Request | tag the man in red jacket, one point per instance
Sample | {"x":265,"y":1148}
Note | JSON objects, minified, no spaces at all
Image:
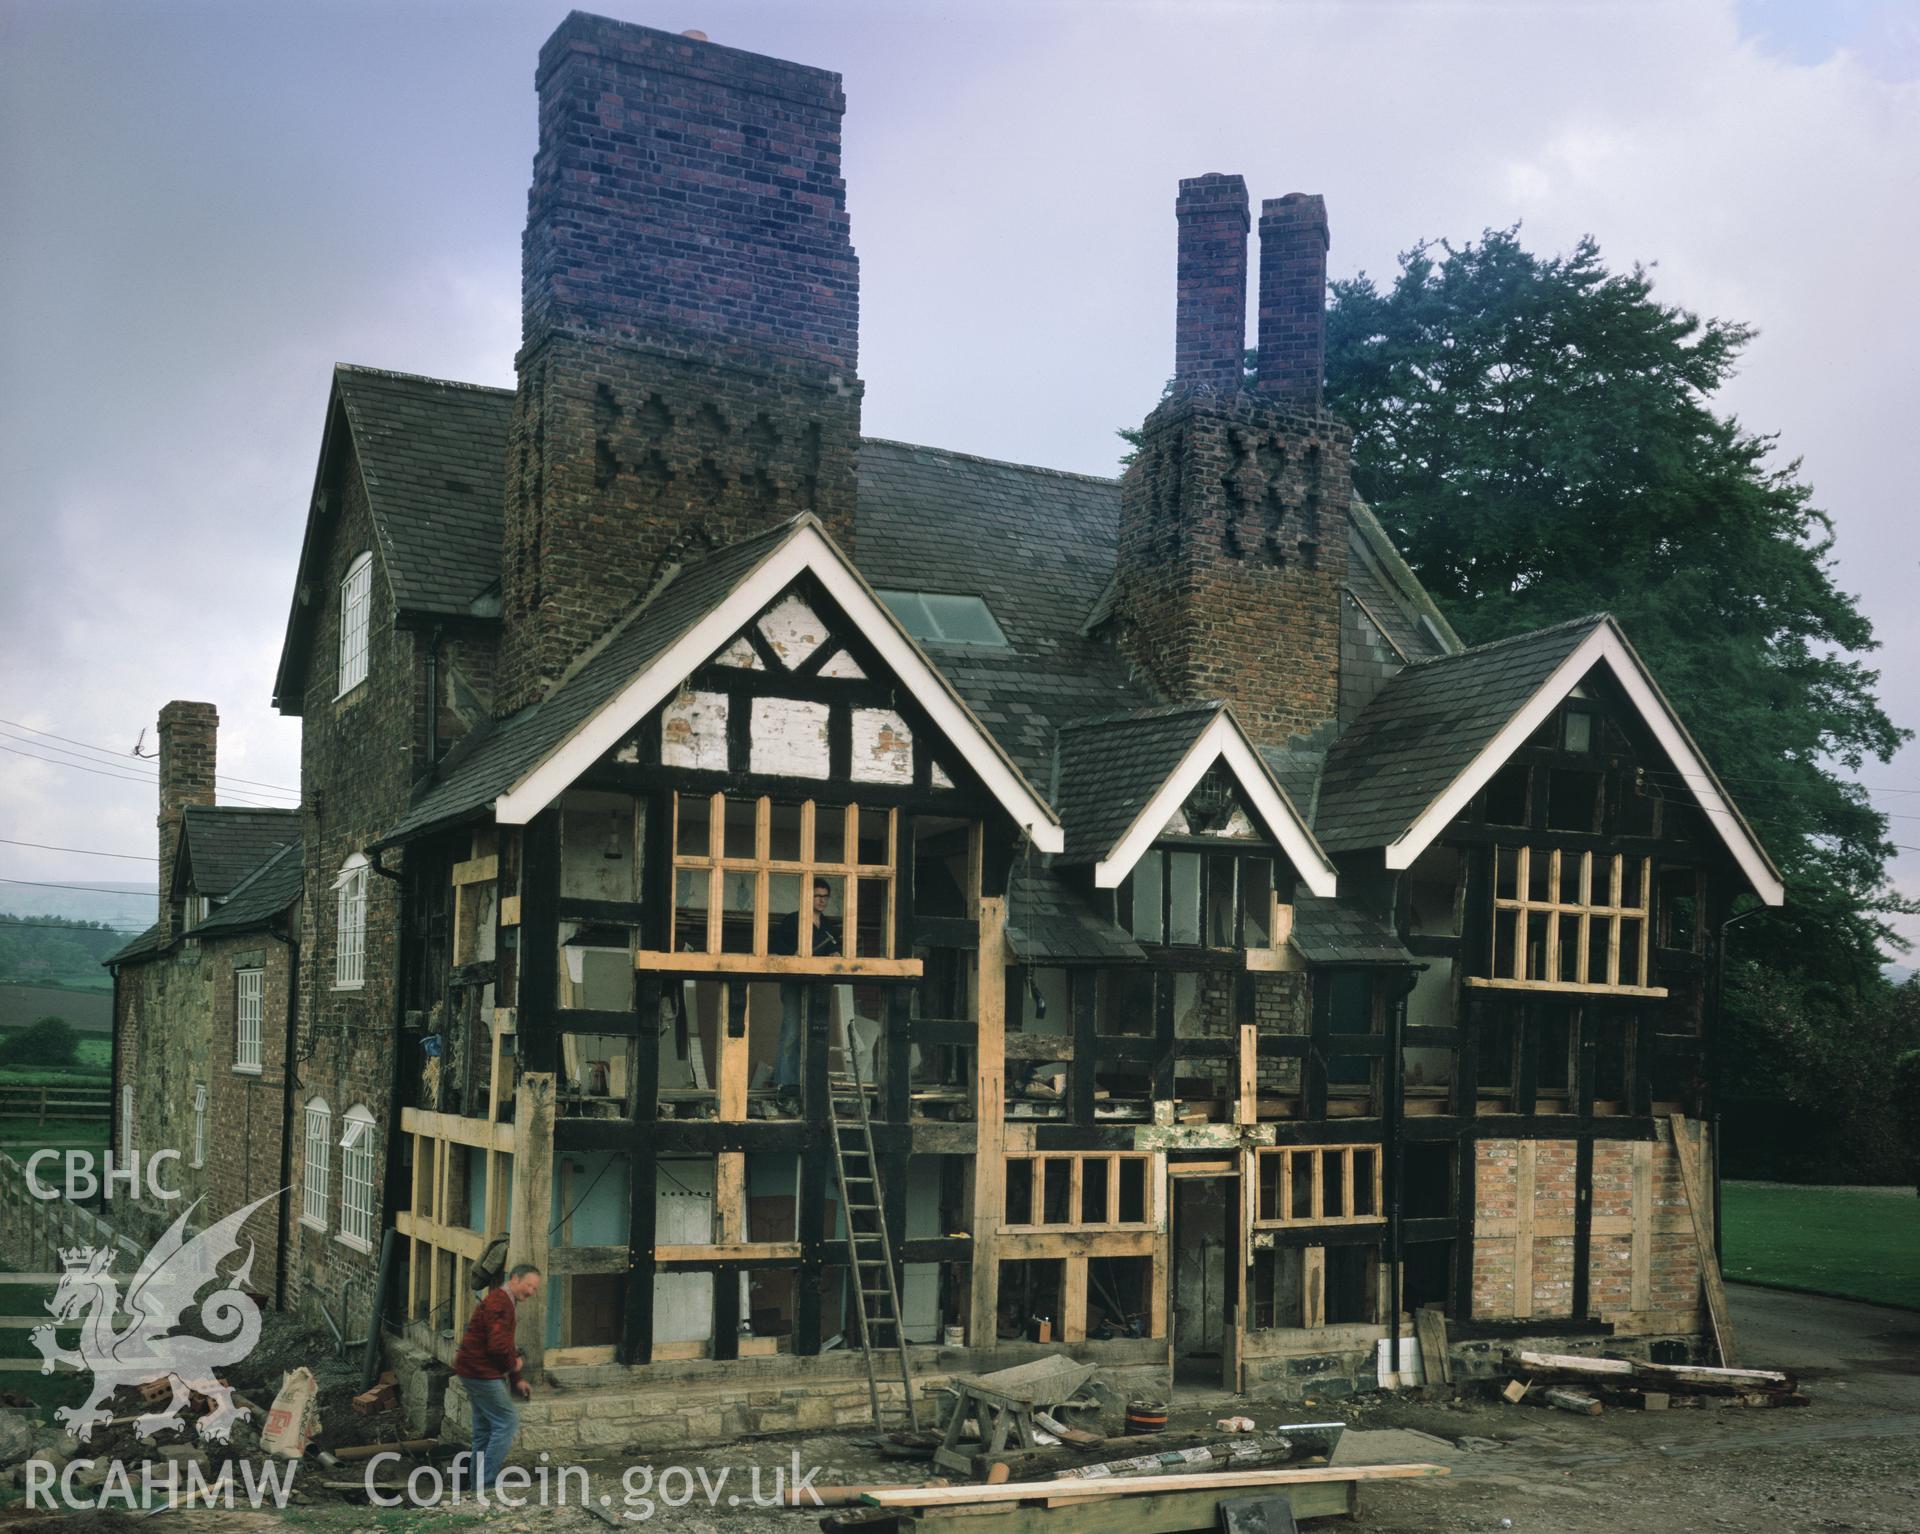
{"x":488,"y":1363}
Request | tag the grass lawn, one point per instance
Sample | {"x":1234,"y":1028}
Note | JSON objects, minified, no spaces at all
{"x":1857,"y":1243}
{"x":64,"y":1387}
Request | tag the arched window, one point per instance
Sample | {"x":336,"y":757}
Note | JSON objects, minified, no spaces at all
{"x":356,"y":607}
{"x":314,"y":1184}
{"x":356,"y":1179}
{"x":350,"y":925}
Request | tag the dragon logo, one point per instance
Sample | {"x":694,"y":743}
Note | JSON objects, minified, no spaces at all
{"x":151,"y":1346}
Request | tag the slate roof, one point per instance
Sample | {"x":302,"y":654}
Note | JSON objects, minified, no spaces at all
{"x":226,"y":842}
{"x":147,"y":943}
{"x":260,"y":897}
{"x":1110,"y":767}
{"x":1330,"y":931}
{"x":1049,"y":923}
{"x":433,"y":455}
{"x":1424,"y":727}
{"x":259,"y":893}
{"x":496,"y":756}
{"x":1038,"y":545}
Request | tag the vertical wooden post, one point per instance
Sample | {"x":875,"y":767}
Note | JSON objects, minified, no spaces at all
{"x":990,"y":1119}
{"x":532,"y":1201}
{"x":1523,"y":1232}
{"x":1641,"y":1252}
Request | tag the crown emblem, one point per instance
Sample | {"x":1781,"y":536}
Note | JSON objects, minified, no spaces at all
{"x":77,"y":1259}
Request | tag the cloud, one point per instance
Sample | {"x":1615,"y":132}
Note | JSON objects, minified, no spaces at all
{"x":210,"y":205}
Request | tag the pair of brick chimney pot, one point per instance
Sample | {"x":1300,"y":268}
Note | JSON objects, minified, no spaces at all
{"x":1210,"y":321}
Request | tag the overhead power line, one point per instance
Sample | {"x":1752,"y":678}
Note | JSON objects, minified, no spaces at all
{"x":85,"y":889}
{"x":103,"y":772}
{"x":137,"y":857}
{"x":278,"y":788}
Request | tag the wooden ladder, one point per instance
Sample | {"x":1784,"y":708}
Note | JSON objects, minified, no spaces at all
{"x":876,"y":1290}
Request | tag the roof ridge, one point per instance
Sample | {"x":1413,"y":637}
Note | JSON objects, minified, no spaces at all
{"x":243,"y":809}
{"x":363,"y":370}
{"x":1155,"y":711}
{"x":1112,"y":480}
{"x":1589,"y":620}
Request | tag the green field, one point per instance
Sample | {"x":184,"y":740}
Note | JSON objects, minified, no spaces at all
{"x":65,"y":1387}
{"x":1857,"y":1243}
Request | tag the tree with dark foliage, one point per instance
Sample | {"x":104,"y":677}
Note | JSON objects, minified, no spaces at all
{"x":1538,"y":435}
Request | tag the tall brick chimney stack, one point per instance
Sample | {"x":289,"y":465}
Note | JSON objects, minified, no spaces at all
{"x":1293,"y":297}
{"x":690,"y":302}
{"x":1210,"y":314}
{"x":1232,"y":558}
{"x":189,"y":733}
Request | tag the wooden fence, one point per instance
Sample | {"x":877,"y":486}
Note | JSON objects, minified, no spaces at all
{"x":40,"y":1102}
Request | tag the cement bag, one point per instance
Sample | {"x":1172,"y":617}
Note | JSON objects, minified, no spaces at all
{"x":294,"y":1417}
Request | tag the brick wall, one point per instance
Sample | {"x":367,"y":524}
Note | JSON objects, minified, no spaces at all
{"x":1233,"y":557}
{"x":623,"y":459}
{"x":690,"y":310}
{"x":1553,"y":1203}
{"x":1210,"y":311}
{"x":1673,"y":1297}
{"x":1293,"y":297}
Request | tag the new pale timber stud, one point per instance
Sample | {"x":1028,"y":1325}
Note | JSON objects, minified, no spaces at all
{"x":530,"y":1228}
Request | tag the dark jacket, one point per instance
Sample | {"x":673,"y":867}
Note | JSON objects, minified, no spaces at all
{"x":785,"y":937}
{"x":487,"y":1350}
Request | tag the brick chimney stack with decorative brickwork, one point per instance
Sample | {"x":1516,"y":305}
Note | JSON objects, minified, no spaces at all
{"x":690,"y":303}
{"x":1293,"y":298}
{"x":189,"y":734}
{"x":1210,"y":323}
{"x":1232,"y":558}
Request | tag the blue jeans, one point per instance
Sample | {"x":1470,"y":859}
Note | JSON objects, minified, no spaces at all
{"x":495,"y":1420}
{"x":793,"y":1033}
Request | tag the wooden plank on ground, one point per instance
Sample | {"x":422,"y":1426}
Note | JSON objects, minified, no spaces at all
{"x":1695,"y":1180}
{"x":1430,"y":1326}
{"x":1141,"y":1486}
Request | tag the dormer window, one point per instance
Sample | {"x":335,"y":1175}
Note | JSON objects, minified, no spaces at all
{"x":356,"y":607}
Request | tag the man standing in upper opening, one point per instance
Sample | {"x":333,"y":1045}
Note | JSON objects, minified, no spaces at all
{"x":793,"y":993}
{"x":488,"y":1364}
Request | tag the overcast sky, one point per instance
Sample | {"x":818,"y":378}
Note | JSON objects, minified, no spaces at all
{"x":207,"y":205}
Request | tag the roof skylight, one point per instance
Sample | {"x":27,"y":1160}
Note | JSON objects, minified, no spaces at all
{"x":939,"y":617}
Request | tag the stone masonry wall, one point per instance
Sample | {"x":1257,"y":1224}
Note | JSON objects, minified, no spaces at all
{"x":358,"y":756}
{"x":176,"y":1032}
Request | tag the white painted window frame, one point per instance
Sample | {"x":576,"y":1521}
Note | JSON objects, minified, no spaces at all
{"x":350,"y":925}
{"x":356,"y":615}
{"x":356,"y":1179}
{"x":316,"y":1174}
{"x":249,"y":995}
